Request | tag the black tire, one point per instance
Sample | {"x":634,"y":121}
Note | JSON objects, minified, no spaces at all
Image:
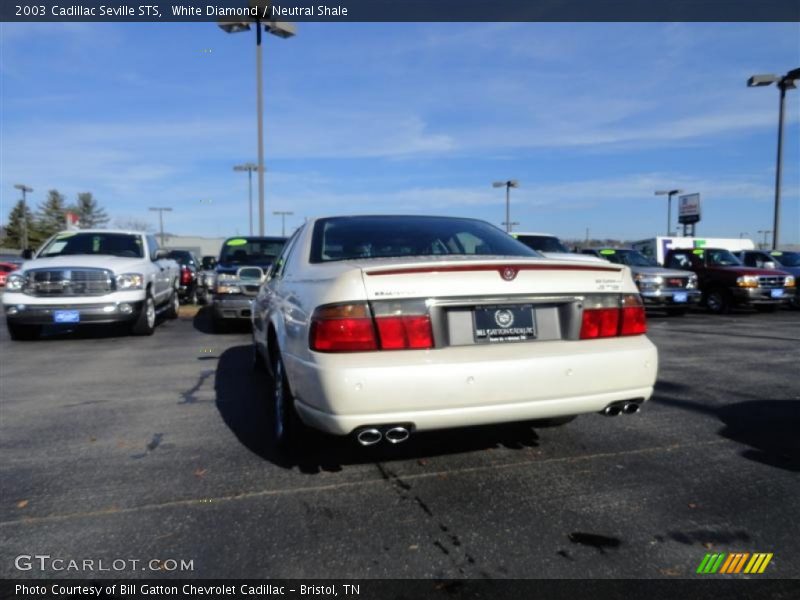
{"x":145,"y":323}
{"x":794,"y":302}
{"x":718,"y":301}
{"x":554,"y":422}
{"x":286,"y":427}
{"x":173,"y":306}
{"x":766,"y":308}
{"x":677,"y":312}
{"x":20,"y":333}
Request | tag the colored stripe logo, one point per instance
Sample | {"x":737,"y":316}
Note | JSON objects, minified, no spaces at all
{"x":735,"y":562}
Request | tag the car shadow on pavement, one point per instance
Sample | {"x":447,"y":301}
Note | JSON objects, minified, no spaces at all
{"x":769,"y":427}
{"x":242,"y":398}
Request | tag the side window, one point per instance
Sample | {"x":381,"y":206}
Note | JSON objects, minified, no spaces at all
{"x":750,"y":259}
{"x":280,"y":262}
{"x":152,"y":246}
{"x":679,"y":261}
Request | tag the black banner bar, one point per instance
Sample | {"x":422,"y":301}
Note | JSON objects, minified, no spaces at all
{"x":404,"y":10}
{"x":712,"y":587}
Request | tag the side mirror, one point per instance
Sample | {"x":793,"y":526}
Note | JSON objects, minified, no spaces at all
{"x":160,"y":253}
{"x":27,"y":254}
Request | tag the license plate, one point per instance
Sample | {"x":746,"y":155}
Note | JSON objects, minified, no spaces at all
{"x":66,"y":316}
{"x":680,"y":297}
{"x":776,"y":293}
{"x":504,"y":323}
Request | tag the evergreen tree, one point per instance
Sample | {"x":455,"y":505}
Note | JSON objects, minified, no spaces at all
{"x":16,"y":228}
{"x":89,"y":212}
{"x":51,"y":217}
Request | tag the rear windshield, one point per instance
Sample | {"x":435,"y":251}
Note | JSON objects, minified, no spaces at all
{"x":542,"y":243}
{"x":632,"y":258}
{"x":181,"y":256}
{"x":345,"y":238}
{"x":250,"y":251}
{"x":110,"y":244}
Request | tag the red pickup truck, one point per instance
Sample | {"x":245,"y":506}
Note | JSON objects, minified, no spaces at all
{"x":725,"y":282}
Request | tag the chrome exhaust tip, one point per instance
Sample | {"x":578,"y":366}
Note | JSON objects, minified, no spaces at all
{"x":612,"y":410}
{"x":630,"y":408}
{"x":396,"y":435}
{"x":369,"y":437}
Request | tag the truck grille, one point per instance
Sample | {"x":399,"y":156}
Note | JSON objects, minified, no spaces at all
{"x":675,"y":282}
{"x":771,"y":281}
{"x":69,"y":282}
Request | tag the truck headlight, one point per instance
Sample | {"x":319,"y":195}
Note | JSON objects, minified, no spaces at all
{"x":130,"y":281}
{"x":790,"y":281}
{"x":15,"y":282}
{"x":643,"y":280}
{"x":747,"y":281}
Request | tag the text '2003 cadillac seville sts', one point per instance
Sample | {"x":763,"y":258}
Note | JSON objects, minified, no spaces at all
{"x":385,"y":325}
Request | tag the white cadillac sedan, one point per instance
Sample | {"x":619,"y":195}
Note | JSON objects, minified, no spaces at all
{"x":381,"y":326}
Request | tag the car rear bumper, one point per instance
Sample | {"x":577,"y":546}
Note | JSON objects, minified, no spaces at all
{"x":761,"y":295}
{"x":106,"y":312}
{"x":667,"y":297}
{"x":234,"y":306}
{"x":457,"y":387}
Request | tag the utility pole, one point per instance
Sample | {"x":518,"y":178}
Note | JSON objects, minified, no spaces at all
{"x":161,"y":210}
{"x":249,"y":167}
{"x":24,"y":189}
{"x":283,"y":214}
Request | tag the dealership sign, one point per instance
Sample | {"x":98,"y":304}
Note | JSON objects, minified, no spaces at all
{"x":689,"y":208}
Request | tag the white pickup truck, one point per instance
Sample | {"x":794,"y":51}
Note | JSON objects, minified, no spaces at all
{"x":92,"y":276}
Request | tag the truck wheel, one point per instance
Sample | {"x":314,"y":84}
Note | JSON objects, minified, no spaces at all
{"x":23,"y":332}
{"x":145,"y":323}
{"x":174,"y":306}
{"x":718,"y":302}
{"x":286,"y":427}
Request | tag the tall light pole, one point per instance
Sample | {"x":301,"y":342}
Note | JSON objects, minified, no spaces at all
{"x":283,"y":214}
{"x":765,"y":233}
{"x":281,"y":29}
{"x":508,"y":185}
{"x":785,"y":82}
{"x":669,"y":194}
{"x":161,"y":211}
{"x":25,"y":190}
{"x":249,"y":167}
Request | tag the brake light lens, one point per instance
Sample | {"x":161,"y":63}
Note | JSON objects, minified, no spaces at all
{"x":352,"y":328}
{"x":405,"y":332}
{"x":186,"y":275}
{"x":603,"y":321}
{"x":343,"y":328}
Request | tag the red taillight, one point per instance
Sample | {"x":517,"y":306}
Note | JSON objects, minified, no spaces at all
{"x":351,"y":328}
{"x":405,"y":332}
{"x":629,"y":319}
{"x":599,"y":323}
{"x":186,"y":276}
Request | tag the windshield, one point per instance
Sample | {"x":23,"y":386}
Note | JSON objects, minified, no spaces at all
{"x":344,"y":238}
{"x":542,"y":243}
{"x":787,"y":259}
{"x":721,"y":258}
{"x":251,"y":251}
{"x":112,"y":244}
{"x":632,"y":258}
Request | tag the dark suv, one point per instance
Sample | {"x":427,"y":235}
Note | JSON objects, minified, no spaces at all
{"x":726,"y":282}
{"x":240,"y":270}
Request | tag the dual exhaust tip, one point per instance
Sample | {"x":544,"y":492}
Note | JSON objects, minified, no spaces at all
{"x":627,"y":407}
{"x":394,"y":434}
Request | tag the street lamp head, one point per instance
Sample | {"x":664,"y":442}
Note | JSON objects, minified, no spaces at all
{"x":668,"y":192}
{"x":762,"y":80}
{"x":23,"y":188}
{"x":510,"y":183}
{"x":233,"y":26}
{"x":513,"y":183}
{"x":283,"y":29}
{"x":253,"y":167}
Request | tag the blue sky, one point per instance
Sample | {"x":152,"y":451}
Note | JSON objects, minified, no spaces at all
{"x":406,"y":118}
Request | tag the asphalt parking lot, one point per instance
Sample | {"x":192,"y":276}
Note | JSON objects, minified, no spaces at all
{"x":154,"y":448}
